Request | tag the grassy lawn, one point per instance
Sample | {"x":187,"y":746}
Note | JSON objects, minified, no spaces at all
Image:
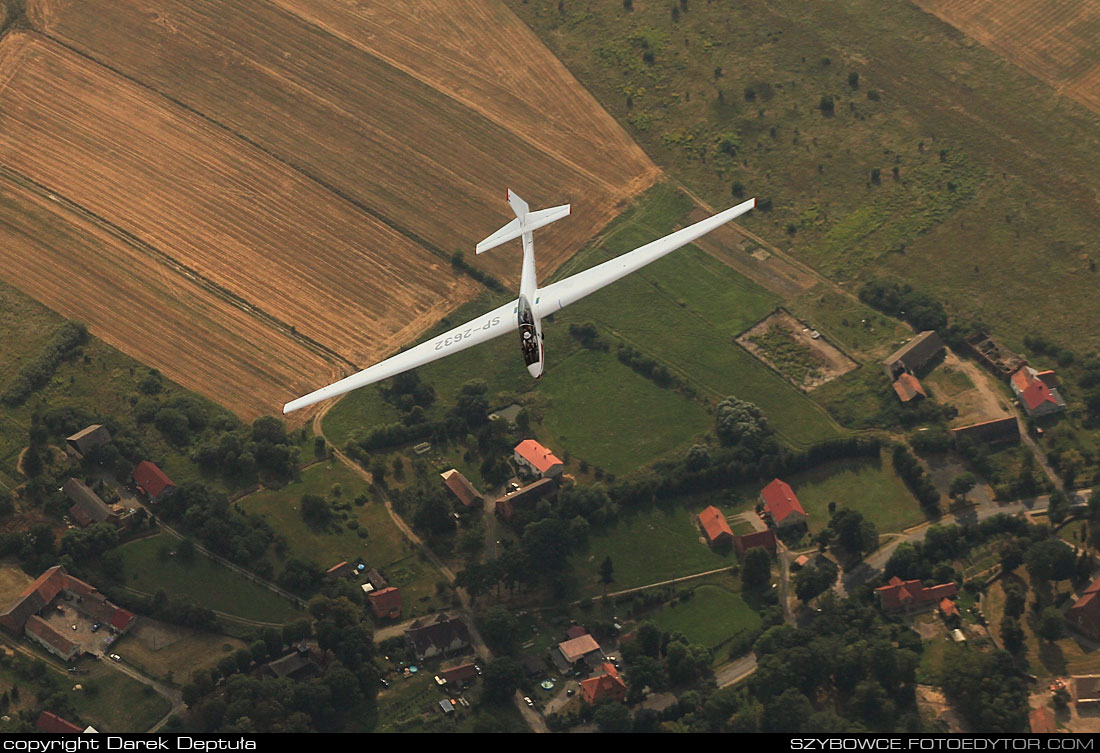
{"x":879,"y":137}
{"x":171,"y":652}
{"x":713,"y":615}
{"x":1073,"y":532}
{"x":947,"y":383}
{"x":203,"y":582}
{"x":841,"y":318}
{"x":385,"y":547}
{"x":606,"y":413}
{"x":114,"y":702}
{"x":866,"y":486}
{"x":646,"y":547}
{"x":1064,"y":656}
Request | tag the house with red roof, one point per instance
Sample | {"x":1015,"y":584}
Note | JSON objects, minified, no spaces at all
{"x":911,"y":595}
{"x":908,"y":388}
{"x":747,"y":541}
{"x":715,"y":527}
{"x":537,"y":459}
{"x":1084,"y":615}
{"x":463,"y":490}
{"x":151,"y":481}
{"x":575,"y":631}
{"x":1037,"y":396}
{"x":782,"y":505}
{"x":386,"y":603}
{"x":608,"y":684}
{"x":459,"y":676}
{"x":52,"y":724}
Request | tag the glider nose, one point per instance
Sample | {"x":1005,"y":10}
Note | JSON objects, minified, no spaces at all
{"x":535,"y":369}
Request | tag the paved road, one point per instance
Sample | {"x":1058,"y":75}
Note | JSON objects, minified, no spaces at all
{"x":735,"y":671}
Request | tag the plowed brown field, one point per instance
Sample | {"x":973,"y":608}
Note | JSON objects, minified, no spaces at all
{"x":422,"y":112}
{"x":1057,"y":41}
{"x":252,"y":196}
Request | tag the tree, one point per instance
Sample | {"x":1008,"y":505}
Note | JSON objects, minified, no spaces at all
{"x":1012,"y":555}
{"x":1051,"y":624}
{"x":613,"y":717}
{"x":500,"y":628}
{"x":1050,"y":559}
{"x":813,"y":580}
{"x":962,"y":485}
{"x":648,"y":636}
{"x":606,"y":570}
{"x":853,"y":80}
{"x":1058,"y":508}
{"x":826,"y":105}
{"x":756,"y":570}
{"x":32,"y":462}
{"x":502,"y":677}
{"x":315,"y":510}
{"x":856,"y":534}
{"x":740,"y":422}
{"x":1015,"y":599}
{"x":1012,"y":635}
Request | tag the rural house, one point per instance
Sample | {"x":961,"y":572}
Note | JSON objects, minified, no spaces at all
{"x":538,"y":460}
{"x":88,"y":508}
{"x":340,"y":570}
{"x":463,"y":490}
{"x":715,"y":527}
{"x":53,"y":724}
{"x":747,"y":541}
{"x":910,"y":595}
{"x":438,"y":636}
{"x":1084,"y":615}
{"x":607,"y":684}
{"x":782,"y":505}
{"x":916,"y":353}
{"x":385,"y":603}
{"x":1037,"y":396}
{"x":459,"y":676}
{"x":78,"y":445}
{"x":151,"y":481}
{"x":582,"y":648}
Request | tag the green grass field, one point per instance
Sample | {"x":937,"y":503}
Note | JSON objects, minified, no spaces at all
{"x":729,"y":96}
{"x":384,"y":548}
{"x":114,"y":702}
{"x":842,"y":320}
{"x":646,"y":547}
{"x":713,"y":615}
{"x":866,"y":486}
{"x":625,"y":416}
{"x":203,"y":582}
{"x":946,"y":383}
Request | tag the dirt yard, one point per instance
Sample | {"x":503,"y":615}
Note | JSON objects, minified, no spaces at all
{"x":13,"y":582}
{"x":815,"y":358}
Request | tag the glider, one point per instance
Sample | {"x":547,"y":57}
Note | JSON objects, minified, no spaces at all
{"x":526,"y":312}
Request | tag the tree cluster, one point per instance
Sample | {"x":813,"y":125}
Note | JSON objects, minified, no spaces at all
{"x":244,"y":453}
{"x":912,"y":473}
{"x":38,"y":371}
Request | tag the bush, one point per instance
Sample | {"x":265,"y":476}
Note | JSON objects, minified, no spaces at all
{"x":40,"y":370}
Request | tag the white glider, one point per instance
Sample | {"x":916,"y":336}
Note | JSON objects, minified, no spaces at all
{"x":526,"y":312}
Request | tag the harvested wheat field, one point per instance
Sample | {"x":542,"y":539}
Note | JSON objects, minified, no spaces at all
{"x":420,"y":113}
{"x":1057,"y":41}
{"x":157,"y":315}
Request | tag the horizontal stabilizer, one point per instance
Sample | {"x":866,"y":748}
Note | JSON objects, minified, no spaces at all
{"x":526,"y":224}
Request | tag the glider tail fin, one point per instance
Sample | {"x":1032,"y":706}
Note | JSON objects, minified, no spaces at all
{"x":525,"y":222}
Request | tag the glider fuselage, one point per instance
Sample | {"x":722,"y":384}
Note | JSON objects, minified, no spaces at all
{"x":530,"y":325}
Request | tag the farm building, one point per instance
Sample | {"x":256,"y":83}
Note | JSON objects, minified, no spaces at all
{"x":582,"y":648}
{"x":1084,"y":615}
{"x":151,"y":481}
{"x":300,"y":666}
{"x":910,"y":595}
{"x":386,"y":603}
{"x":463,"y":490}
{"x":52,"y":724}
{"x":715,"y":527}
{"x":990,"y":432}
{"x":747,"y":541}
{"x":340,"y":570}
{"x":538,"y":460}
{"x":908,"y":388}
{"x":25,"y":615}
{"x":1037,"y":396}
{"x":459,"y":676}
{"x":607,"y":684}
{"x":781,"y":504}
{"x":910,"y":357}
{"x":88,"y":508}
{"x":375,"y":579}
{"x":1086,"y":688}
{"x":79,"y":444}
{"x":996,"y":357}
{"x":438,"y":636}
{"x":524,"y":498}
